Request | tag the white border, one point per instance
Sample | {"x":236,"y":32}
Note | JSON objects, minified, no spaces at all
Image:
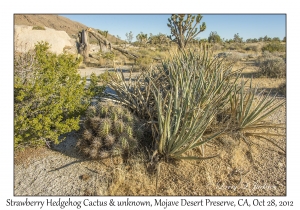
{"x":154,"y":6}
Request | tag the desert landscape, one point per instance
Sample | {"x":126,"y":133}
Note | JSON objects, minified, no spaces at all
{"x":219,"y":131}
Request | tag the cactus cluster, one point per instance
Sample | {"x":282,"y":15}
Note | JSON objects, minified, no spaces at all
{"x":109,"y":130}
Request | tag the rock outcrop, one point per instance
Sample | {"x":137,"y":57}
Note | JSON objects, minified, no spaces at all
{"x":26,"y":38}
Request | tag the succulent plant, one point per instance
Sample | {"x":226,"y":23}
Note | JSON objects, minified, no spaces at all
{"x":104,"y":127}
{"x":119,"y":126}
{"x":91,"y":111}
{"x":95,"y":121}
{"x":87,"y":134}
{"x":109,"y":130}
{"x":109,"y":140}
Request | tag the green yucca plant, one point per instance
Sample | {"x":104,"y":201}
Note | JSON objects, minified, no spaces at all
{"x":189,"y":84}
{"x":183,"y":99}
{"x":180,"y":127}
{"x":248,"y":114}
{"x":197,"y":88}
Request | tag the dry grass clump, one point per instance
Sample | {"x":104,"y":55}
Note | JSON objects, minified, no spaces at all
{"x":109,"y":130}
{"x":235,"y":57}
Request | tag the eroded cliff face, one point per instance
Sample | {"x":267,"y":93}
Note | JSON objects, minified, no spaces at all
{"x":26,"y":38}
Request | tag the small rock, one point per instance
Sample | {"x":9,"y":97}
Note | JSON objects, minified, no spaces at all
{"x":84,"y":177}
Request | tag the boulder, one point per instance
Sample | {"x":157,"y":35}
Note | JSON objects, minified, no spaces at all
{"x":26,"y":38}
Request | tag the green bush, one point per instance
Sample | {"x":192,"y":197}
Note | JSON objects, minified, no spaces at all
{"x":95,"y":88}
{"x":49,"y":96}
{"x":274,"y":47}
{"x":106,"y":77}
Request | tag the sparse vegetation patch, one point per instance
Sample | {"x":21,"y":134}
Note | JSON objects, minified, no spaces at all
{"x":38,"y":28}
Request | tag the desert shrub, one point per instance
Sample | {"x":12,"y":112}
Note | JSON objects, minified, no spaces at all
{"x":235,"y":46}
{"x":247,"y":48}
{"x":106,"y":77}
{"x":38,"y":28}
{"x":109,"y":130}
{"x":271,"y":65}
{"x":49,"y":96}
{"x":184,"y":94}
{"x":216,"y":47}
{"x":106,"y":59}
{"x":163,"y":48}
{"x":274,"y":47}
{"x":234,"y":57}
{"x":254,"y":48}
{"x":95,"y":88}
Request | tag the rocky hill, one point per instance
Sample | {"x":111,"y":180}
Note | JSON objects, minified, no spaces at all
{"x":51,"y":21}
{"x":26,"y":38}
{"x":56,"y":22}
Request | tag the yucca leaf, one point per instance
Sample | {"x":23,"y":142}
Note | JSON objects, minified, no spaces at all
{"x":269,"y":140}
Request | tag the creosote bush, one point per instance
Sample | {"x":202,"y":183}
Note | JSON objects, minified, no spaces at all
{"x":109,"y":130}
{"x":49,"y":96}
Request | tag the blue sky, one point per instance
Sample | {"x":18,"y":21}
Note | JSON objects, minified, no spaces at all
{"x":247,"y":25}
